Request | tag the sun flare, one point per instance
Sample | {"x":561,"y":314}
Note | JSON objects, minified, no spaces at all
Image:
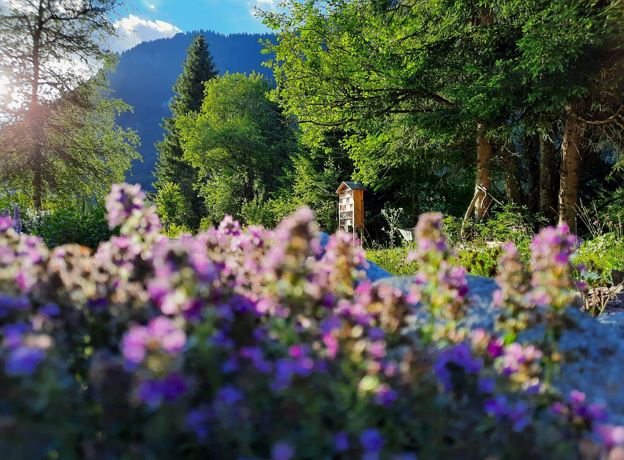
{"x":4,"y":85}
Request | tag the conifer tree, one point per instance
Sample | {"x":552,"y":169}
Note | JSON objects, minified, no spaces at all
{"x":189,"y":94}
{"x":51,"y":53}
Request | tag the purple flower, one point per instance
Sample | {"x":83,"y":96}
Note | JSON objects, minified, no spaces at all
{"x":611,"y":435}
{"x":487,"y":385}
{"x":371,"y":440}
{"x":495,"y":347}
{"x":576,"y":398}
{"x":8,"y":302}
{"x":497,"y":407}
{"x":461,"y":357}
{"x":154,"y":391}
{"x":133,"y":344}
{"x":256,"y":356}
{"x":341,"y":441}
{"x":17,"y":219}
{"x":229,"y":395}
{"x":282,"y":451}
{"x":519,"y":416}
{"x":160,"y":334}
{"x":23,"y":361}
{"x":197,"y":421}
{"x":14,"y":333}
{"x":122,"y":201}
{"x":578,"y":407}
{"x":5,"y":223}
{"x":385,"y":396}
{"x":558,"y":408}
{"x":50,"y":310}
{"x":501,"y":408}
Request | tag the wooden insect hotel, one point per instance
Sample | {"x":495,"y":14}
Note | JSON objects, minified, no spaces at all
{"x":351,"y":206}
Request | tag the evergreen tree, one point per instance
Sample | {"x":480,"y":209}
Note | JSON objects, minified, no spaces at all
{"x":189,"y":94}
{"x":50,"y":52}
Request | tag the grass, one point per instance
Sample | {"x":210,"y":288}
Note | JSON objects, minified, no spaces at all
{"x":393,"y":260}
{"x":477,"y":260}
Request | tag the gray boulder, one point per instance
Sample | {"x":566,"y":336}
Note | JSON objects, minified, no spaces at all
{"x":594,"y":347}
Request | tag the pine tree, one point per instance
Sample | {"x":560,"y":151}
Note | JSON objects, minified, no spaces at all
{"x":189,"y":94}
{"x":38,"y":41}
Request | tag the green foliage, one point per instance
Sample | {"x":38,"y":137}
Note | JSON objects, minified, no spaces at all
{"x":258,"y":212}
{"x":171,"y":205}
{"x":479,"y":249}
{"x":393,"y":260}
{"x":175,"y":231}
{"x":316,"y":177}
{"x":61,"y":136}
{"x":84,"y":151}
{"x":406,"y":83}
{"x":508,"y":223}
{"x":479,"y":260}
{"x":600,"y":255}
{"x":71,"y":224}
{"x":189,"y":94}
{"x":197,"y":70}
{"x":239,"y":143}
{"x":369,"y":83}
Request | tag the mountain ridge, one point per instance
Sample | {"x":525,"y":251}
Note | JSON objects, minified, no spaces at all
{"x":146,"y":73}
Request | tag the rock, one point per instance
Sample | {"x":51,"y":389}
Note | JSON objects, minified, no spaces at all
{"x":594,"y":347}
{"x":373,"y":272}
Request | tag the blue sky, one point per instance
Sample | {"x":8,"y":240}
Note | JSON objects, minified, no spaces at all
{"x":220,"y":15}
{"x":142,"y":20}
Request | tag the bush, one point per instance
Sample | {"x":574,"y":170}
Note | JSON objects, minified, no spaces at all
{"x":600,"y":256}
{"x":70,"y":224}
{"x":254,"y":344}
{"x":171,"y":206}
{"x":258,"y":212}
{"x":393,"y":260}
{"x":508,"y":223}
{"x":479,"y":260}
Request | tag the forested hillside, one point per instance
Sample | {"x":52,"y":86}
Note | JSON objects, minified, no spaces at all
{"x":159,"y":63}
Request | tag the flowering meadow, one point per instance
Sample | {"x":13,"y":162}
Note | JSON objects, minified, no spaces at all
{"x":256,"y":344}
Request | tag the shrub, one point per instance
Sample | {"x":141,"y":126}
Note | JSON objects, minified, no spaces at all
{"x":171,"y":206}
{"x":509,"y":223}
{"x":70,"y":224}
{"x":601,"y":255}
{"x":479,"y":259}
{"x":255,"y":344}
{"x":393,"y":260}
{"x":258,"y":212}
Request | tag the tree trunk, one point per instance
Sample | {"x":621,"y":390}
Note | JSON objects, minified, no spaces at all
{"x":571,"y":162}
{"x":484,"y":180}
{"x":547,"y":178}
{"x":37,"y":180}
{"x":35,"y":113}
{"x":512,"y":183}
{"x":530,"y":151}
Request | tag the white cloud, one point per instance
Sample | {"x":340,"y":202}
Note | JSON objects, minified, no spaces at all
{"x":133,"y":30}
{"x":262,"y":5}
